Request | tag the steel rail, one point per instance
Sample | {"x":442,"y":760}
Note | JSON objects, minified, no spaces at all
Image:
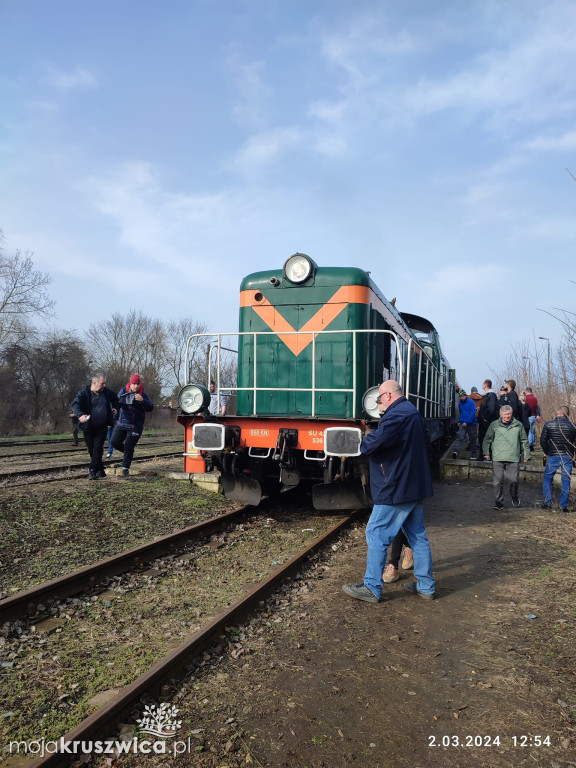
{"x":50,"y":441}
{"x":74,"y":583}
{"x":93,"y":726}
{"x":62,"y":451}
{"x":64,"y":440}
{"x":74,"y":449}
{"x":77,"y":465}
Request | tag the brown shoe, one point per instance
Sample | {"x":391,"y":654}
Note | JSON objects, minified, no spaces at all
{"x":408,"y":559}
{"x":390,"y":574}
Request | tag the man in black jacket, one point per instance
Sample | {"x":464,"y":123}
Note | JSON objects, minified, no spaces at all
{"x":509,"y":397}
{"x":558,"y":441}
{"x":95,"y":406}
{"x":489,"y":411}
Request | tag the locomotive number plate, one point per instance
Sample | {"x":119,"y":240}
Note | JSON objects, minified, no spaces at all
{"x":317,"y":436}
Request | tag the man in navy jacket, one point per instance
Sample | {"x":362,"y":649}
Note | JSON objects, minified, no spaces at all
{"x":399,"y":480}
{"x":95,"y":407}
{"x":134,"y":404}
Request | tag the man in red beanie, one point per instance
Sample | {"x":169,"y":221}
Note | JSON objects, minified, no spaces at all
{"x":134,"y":404}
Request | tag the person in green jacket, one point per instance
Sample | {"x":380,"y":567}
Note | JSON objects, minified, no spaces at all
{"x":507,"y":439}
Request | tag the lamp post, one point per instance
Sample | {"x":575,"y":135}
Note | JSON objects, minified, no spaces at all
{"x":546,"y":339}
{"x":529,"y":369}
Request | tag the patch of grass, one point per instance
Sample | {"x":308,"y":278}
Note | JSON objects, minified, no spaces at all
{"x":107,"y":643}
{"x":51,"y":530}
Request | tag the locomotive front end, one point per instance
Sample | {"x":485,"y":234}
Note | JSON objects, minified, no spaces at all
{"x":311,"y":344}
{"x":301,"y":375}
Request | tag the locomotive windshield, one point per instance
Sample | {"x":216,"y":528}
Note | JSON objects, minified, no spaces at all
{"x":422,"y":329}
{"x":423,"y":337}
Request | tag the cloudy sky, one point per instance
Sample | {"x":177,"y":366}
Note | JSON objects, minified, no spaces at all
{"x":154,"y":153}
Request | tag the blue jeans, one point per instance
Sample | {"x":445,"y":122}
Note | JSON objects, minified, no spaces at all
{"x":553,"y":464}
{"x":531,"y":433}
{"x":383,"y":525}
{"x":470,"y":431}
{"x":109,"y":438}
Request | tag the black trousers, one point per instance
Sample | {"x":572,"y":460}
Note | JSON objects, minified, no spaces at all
{"x":398,"y":542}
{"x":125,"y":440}
{"x":482,"y":429}
{"x":94,"y":438}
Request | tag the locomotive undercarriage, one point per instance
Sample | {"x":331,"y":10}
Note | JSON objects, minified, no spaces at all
{"x":249,"y":472}
{"x":336,"y":482}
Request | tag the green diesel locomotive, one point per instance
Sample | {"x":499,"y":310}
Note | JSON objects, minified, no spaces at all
{"x":313,"y":345}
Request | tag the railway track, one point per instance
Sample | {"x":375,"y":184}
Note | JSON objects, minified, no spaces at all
{"x":64,"y":441}
{"x":26,"y":602}
{"x":73,"y":449}
{"x":48,"y":441}
{"x":38,"y":454}
{"x":101,"y":722}
{"x":79,"y":466}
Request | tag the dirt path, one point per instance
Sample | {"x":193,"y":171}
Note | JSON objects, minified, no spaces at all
{"x":323,"y":680}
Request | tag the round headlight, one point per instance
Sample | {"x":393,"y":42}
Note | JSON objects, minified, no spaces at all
{"x":193,"y":397}
{"x":298,"y":268}
{"x":369,"y":403}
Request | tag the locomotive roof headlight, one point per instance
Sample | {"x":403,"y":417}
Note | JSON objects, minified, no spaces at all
{"x":193,"y":398}
{"x":298,"y":268}
{"x":369,"y":403}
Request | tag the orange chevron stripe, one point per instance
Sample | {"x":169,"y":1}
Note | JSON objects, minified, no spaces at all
{"x":346,"y":294}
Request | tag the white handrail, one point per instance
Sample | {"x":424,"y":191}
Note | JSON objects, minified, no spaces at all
{"x":403,"y":362}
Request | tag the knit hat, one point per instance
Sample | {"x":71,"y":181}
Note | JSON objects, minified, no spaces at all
{"x":134,"y":379}
{"x":462,"y":393}
{"x":474,"y":389}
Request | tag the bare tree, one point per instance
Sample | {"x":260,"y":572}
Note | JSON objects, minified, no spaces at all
{"x":39,"y":378}
{"x":178,"y":333}
{"x":135,"y":342}
{"x":553,"y":378}
{"x":23,"y":295}
{"x":565,"y":359}
{"x":129,"y":343}
{"x":562,"y":366}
